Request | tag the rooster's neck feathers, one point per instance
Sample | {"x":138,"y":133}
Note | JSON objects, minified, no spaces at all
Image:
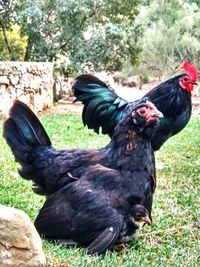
{"x":178,"y":98}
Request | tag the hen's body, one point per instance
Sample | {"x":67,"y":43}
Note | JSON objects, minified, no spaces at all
{"x":95,"y":211}
{"x":94,"y":196}
{"x":103,"y":108}
{"x":51,"y":169}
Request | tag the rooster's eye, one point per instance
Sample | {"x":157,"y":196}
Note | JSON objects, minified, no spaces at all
{"x":185,"y":79}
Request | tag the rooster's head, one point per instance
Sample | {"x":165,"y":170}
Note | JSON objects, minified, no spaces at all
{"x":188,"y":79}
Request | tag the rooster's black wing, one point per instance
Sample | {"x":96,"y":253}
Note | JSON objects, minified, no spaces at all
{"x":102,"y":107}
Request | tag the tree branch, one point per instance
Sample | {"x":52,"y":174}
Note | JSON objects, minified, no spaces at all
{"x":28,"y":50}
{"x":6,"y":41}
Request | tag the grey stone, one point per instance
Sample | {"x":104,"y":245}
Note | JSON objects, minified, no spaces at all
{"x":14,"y":80}
{"x":20,"y":244}
{"x":4,"y":80}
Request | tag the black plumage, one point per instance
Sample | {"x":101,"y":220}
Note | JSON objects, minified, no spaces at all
{"x":51,"y":169}
{"x":96,"y":211}
{"x":104,"y":109}
{"x":96,"y":198}
{"x":93,"y":194}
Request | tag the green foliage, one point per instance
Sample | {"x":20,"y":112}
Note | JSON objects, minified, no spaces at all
{"x":91,"y":34}
{"x":176,"y":200}
{"x":9,"y":10}
{"x":8,"y":21}
{"x":110,"y":38}
{"x":17,"y":42}
{"x":171,"y":35}
{"x":107,"y":49}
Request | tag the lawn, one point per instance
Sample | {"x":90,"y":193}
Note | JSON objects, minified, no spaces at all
{"x":173,"y":238}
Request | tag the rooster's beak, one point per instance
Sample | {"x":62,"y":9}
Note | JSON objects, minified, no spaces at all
{"x":195,"y":83}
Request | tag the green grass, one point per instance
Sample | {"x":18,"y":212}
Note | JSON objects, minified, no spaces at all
{"x":176,"y":201}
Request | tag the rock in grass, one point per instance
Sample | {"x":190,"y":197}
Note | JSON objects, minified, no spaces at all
{"x":20,"y":244}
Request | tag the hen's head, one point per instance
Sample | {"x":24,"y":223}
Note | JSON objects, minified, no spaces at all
{"x":146,"y":114}
{"x":142,"y":120}
{"x":189,"y":79}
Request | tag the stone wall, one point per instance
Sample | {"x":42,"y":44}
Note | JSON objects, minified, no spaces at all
{"x":30,"y":82}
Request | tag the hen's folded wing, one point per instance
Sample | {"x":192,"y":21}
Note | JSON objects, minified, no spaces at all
{"x":105,"y":240}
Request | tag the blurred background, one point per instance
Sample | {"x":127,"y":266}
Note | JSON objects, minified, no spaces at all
{"x":130,"y":42}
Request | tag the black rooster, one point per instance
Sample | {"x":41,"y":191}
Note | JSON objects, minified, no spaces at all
{"x":103,"y":108}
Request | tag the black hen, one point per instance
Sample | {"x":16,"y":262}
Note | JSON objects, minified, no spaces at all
{"x":103,"y":108}
{"x":96,"y":211}
{"x":107,"y":205}
{"x":128,"y":152}
{"x":95,"y":197}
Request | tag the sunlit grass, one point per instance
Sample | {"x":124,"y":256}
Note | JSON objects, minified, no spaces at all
{"x":176,"y":201}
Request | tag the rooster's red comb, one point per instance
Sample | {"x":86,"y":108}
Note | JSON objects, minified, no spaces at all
{"x":190,"y":70}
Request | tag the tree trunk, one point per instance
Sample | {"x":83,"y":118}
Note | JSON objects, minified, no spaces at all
{"x":27,"y":56}
{"x":6,"y":41}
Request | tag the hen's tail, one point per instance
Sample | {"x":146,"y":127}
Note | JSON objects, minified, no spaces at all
{"x":23,"y":131}
{"x":25,"y":134}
